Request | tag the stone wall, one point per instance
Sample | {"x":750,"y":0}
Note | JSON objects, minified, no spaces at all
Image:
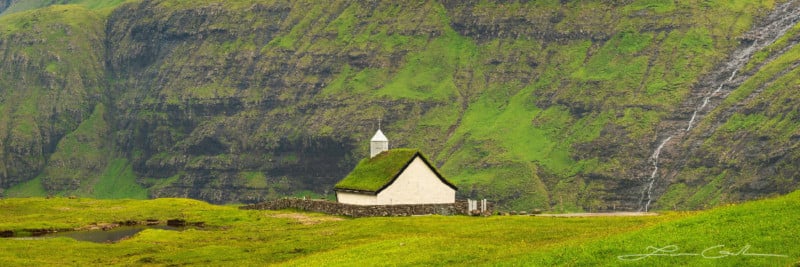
{"x":335,"y":208}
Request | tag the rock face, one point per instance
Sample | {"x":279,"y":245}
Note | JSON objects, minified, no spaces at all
{"x":228,"y":105}
{"x":46,"y":90}
{"x":530,"y":104}
{"x":733,"y":146}
{"x":4,"y":5}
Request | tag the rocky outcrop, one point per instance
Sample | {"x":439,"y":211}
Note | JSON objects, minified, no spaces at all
{"x":4,"y":4}
{"x":508,"y":21}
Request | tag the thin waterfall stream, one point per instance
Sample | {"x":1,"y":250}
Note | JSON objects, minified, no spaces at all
{"x":707,"y":99}
{"x":654,"y":159}
{"x":779,"y":22}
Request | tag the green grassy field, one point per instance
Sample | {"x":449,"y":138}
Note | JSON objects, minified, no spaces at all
{"x":760,"y":233}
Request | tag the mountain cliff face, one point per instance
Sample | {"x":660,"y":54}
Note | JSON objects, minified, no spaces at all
{"x":545,"y":104}
{"x":744,"y":143}
{"x":52,"y":76}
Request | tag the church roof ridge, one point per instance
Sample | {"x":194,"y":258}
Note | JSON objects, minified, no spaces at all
{"x":372,"y":175}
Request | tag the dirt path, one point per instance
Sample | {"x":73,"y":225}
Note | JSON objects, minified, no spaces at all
{"x":306,"y":219}
{"x":602,"y":214}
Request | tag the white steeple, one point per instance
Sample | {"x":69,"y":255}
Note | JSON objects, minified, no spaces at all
{"x":378,"y":144}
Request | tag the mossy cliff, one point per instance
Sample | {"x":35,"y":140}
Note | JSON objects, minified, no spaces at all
{"x":541,"y":104}
{"x":51,"y":76}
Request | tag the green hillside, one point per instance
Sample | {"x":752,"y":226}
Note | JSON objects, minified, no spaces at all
{"x":15,"y":6}
{"x":51,"y":78}
{"x":724,"y":236}
{"x":556,"y":105}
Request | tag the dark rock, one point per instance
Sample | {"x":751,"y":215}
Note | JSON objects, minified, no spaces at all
{"x":176,"y":223}
{"x":7,"y":233}
{"x":129,"y":223}
{"x":41,"y":232}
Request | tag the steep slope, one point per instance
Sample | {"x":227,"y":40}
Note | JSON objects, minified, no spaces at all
{"x":746,"y":146}
{"x":538,"y":104}
{"x":602,"y":80}
{"x":51,"y":77}
{"x":14,"y":6}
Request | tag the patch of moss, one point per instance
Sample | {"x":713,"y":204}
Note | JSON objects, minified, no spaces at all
{"x":31,"y":188}
{"x":118,"y":182}
{"x":254,"y":179}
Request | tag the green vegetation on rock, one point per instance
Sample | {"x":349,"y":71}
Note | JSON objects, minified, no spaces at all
{"x":532,"y":104}
{"x":16,"y":6}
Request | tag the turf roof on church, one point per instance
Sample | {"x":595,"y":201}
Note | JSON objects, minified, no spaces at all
{"x":372,"y":174}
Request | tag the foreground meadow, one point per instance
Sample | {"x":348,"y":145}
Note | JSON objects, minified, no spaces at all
{"x":760,"y":233}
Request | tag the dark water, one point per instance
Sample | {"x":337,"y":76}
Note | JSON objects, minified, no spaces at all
{"x":109,"y":236}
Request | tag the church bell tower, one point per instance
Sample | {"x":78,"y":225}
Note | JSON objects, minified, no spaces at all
{"x":378,"y":144}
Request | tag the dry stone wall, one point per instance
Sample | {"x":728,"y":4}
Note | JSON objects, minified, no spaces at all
{"x":334,"y":208}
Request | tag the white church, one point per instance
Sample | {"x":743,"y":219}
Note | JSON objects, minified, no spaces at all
{"x":394,"y":177}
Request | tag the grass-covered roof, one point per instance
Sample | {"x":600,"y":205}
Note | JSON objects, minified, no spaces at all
{"x":374,"y":174}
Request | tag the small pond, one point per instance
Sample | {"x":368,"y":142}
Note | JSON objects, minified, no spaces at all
{"x":105,"y":236}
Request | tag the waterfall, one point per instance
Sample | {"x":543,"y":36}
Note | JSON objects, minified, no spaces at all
{"x":654,"y":159}
{"x":707,"y":99}
{"x":778,"y":23}
{"x":691,"y":121}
